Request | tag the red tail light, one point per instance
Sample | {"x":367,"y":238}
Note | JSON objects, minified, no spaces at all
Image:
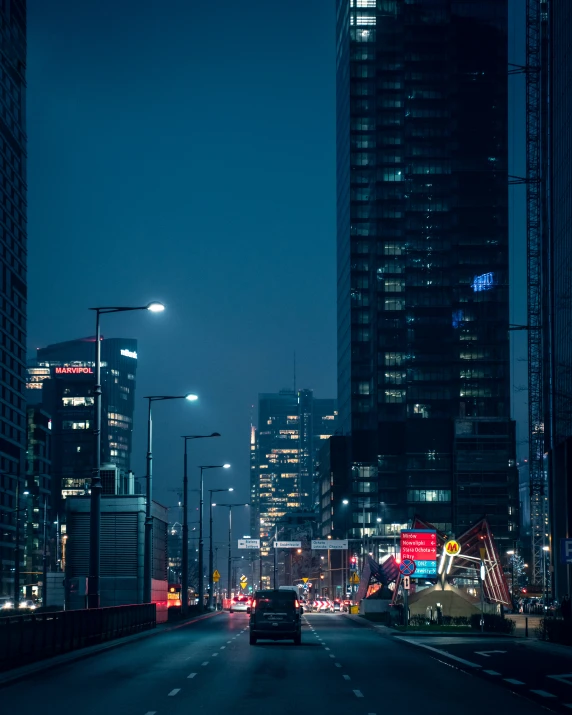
{"x":296,"y":604}
{"x":253,"y":606}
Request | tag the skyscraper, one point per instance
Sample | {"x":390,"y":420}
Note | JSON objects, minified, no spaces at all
{"x":284,"y":449}
{"x":13,"y":285}
{"x":62,"y":379}
{"x":423,"y":349}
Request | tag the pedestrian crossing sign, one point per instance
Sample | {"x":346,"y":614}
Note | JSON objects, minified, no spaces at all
{"x":216,"y":576}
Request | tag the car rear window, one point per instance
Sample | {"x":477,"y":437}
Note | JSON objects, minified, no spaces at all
{"x":275,"y":599}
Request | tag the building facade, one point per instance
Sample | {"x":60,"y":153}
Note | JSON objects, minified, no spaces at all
{"x":557,"y":318}
{"x":13,"y":279}
{"x":292,"y":426}
{"x":423,"y":349}
{"x":62,"y":380}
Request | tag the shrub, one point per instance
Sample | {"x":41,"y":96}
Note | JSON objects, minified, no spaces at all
{"x":493,"y":623}
{"x":555,"y":630}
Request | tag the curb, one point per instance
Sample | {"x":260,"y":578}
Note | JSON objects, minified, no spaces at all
{"x":11,"y":676}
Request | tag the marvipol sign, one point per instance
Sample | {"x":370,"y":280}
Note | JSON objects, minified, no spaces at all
{"x":74,"y":371}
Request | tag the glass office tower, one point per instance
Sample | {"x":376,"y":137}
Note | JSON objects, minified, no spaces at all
{"x":423,"y":349}
{"x":13,"y":280}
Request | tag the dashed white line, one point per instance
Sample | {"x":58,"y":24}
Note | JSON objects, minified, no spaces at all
{"x":346,"y":677}
{"x":332,"y":656}
{"x":174,"y":692}
{"x":512,"y":681}
{"x":214,"y":655}
{"x":543,"y":693}
{"x":229,"y":641}
{"x":205,"y":663}
{"x":338,"y":665}
{"x":222,"y":647}
{"x":192,"y":675}
{"x":151,"y":712}
{"x":491,"y":672}
{"x":327,"y":649}
{"x":358,"y":693}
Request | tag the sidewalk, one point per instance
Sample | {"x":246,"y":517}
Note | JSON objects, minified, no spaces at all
{"x":10,"y":676}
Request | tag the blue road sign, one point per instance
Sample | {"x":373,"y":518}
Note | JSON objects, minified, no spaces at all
{"x":566,"y":551}
{"x":425,"y":569}
{"x":407,"y":567}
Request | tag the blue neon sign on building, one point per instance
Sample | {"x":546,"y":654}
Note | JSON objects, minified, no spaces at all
{"x":484,"y":282}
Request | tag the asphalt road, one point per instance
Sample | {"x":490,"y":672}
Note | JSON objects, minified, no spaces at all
{"x":342,"y":668}
{"x":539,"y":672}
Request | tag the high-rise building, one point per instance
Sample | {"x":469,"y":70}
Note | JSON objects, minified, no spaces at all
{"x":557,"y":315}
{"x":284,"y":450}
{"x":423,"y":349}
{"x":62,"y":379}
{"x":13,"y":281}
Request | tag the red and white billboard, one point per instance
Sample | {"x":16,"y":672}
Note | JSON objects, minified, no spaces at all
{"x":420,"y":545}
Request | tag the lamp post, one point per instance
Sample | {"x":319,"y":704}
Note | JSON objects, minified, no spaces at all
{"x":211,"y":555}
{"x":511,"y":554}
{"x":185,"y":554}
{"x":17,"y":511}
{"x":201,"y":540}
{"x":229,"y":506}
{"x":148,"y":558}
{"x":93,"y":585}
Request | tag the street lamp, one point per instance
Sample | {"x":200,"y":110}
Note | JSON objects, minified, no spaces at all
{"x":211,"y":560}
{"x":185,"y":554}
{"x":201,"y":540}
{"x":148,"y":558}
{"x":230,"y":540}
{"x":93,"y":585}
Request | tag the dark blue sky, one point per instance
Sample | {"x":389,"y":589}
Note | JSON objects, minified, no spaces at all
{"x":187,"y":155}
{"x":184,"y":151}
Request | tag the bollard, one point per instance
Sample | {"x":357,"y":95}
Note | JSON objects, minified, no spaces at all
{"x":526,"y":627}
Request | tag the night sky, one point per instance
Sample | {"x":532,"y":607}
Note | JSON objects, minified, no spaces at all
{"x":185,"y":152}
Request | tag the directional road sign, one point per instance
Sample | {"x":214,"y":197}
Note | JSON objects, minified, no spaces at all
{"x":287,"y":544}
{"x":407,"y":582}
{"x":330,"y":544}
{"x":216,"y":576}
{"x":407,"y":567}
{"x":249,"y":543}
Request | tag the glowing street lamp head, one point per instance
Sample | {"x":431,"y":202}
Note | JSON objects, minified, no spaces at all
{"x":230,"y":489}
{"x":345,"y":501}
{"x":226,"y":466}
{"x":191,"y":397}
{"x":156,"y":307}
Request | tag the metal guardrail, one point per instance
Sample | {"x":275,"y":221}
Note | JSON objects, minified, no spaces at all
{"x":27,"y":638}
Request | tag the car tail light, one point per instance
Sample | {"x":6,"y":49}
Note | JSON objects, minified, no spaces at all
{"x":253,"y":607}
{"x":296,"y":604}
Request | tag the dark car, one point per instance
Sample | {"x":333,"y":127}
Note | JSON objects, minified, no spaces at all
{"x":275,"y":615}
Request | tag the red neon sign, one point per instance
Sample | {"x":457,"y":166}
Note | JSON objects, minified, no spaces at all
{"x":74,"y":371}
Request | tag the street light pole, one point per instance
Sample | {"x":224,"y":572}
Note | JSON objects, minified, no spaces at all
{"x":229,"y":507}
{"x":93,"y":585}
{"x":148,"y":556}
{"x":17,"y":554}
{"x":201,"y":540}
{"x":211,"y":549}
{"x":185,"y":555}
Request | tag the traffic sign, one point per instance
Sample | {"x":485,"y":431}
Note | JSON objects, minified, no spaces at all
{"x":407,"y":567}
{"x":354,"y":578}
{"x":566,"y":551}
{"x":249,"y":543}
{"x":243,"y":578}
{"x":216,"y":576}
{"x":287,"y":544}
{"x":305,"y":579}
{"x":452,"y":548}
{"x":329,"y":544}
{"x":420,"y":545}
{"x":407,"y":582}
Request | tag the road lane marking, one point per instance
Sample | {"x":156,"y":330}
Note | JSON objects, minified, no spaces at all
{"x":358,"y":693}
{"x":443,"y":653}
{"x":222,"y":647}
{"x":205,"y":663}
{"x":338,"y":665}
{"x":491,"y":672}
{"x":512,"y":681}
{"x":327,"y":649}
{"x":346,"y":677}
{"x":568,"y":705}
{"x":229,"y":641}
{"x":543,"y":693}
{"x":151,"y":712}
{"x":563,"y":678}
{"x":332,"y":656}
{"x":192,"y":675}
{"x":174,"y":692}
